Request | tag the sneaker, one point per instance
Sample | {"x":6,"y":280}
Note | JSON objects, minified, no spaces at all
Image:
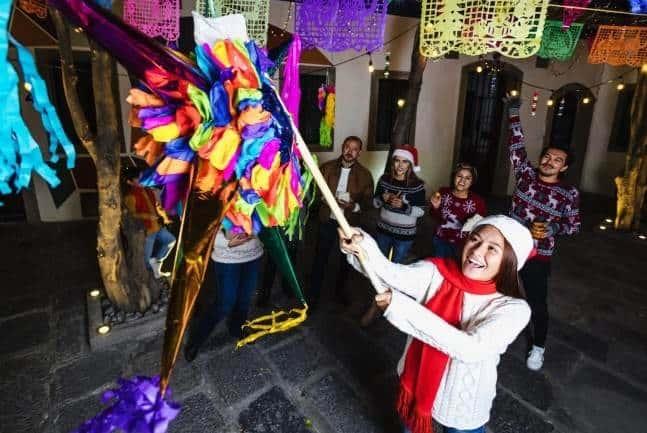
{"x":156,"y":267}
{"x":535,"y":358}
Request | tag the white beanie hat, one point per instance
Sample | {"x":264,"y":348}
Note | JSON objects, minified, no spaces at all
{"x":517,"y":235}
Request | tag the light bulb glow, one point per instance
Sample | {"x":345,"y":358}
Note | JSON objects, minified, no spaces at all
{"x":27,"y":86}
{"x":620,"y":86}
{"x":644,"y":69}
{"x":94,"y":293}
{"x":514,"y":93}
{"x":608,"y":220}
{"x":586,"y":100}
{"x":103,"y":329}
{"x":479,"y":69}
{"x":603,"y":227}
{"x":401,"y":103}
{"x":550,"y":102}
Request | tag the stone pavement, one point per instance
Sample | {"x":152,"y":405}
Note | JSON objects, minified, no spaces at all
{"x":329,"y":375}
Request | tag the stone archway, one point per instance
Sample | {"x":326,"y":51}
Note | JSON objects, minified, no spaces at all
{"x":482,"y":123}
{"x":568,"y":123}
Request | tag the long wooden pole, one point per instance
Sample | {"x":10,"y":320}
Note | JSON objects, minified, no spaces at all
{"x":329,"y":197}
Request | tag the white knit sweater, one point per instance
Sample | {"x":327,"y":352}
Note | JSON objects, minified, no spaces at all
{"x":489,"y":323}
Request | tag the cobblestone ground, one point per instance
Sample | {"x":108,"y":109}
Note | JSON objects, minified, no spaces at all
{"x":329,"y":375}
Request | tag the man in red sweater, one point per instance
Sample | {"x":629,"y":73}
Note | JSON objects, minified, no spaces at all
{"x":549,"y":208}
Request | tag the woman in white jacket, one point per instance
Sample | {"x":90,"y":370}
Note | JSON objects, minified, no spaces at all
{"x":460,"y":316}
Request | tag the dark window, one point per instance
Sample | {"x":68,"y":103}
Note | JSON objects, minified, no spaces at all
{"x":564,"y":113}
{"x":481,"y":131}
{"x":311,"y":79}
{"x":388,"y":96}
{"x":619,"y":139}
{"x":49,"y":66}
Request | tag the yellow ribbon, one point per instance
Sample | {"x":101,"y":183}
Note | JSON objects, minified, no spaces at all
{"x":273,"y":323}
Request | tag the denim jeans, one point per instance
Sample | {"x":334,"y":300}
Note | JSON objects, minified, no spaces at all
{"x":235,"y":284}
{"x":455,"y":430}
{"x":158,"y":245}
{"x":442,"y":248}
{"x":400,"y":247}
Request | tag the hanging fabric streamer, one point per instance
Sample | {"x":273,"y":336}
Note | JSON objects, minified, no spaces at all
{"x":291,"y":91}
{"x":571,"y":15}
{"x":154,"y":17}
{"x":326,"y":94}
{"x":256,"y":13}
{"x":34,"y":7}
{"x":338,"y":25}
{"x":20,"y":154}
{"x":638,"y":6}
{"x":620,"y":45}
{"x":474,"y":27}
{"x":558,"y":42}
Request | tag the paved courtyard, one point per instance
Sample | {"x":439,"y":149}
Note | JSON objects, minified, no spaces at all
{"x":329,"y":375}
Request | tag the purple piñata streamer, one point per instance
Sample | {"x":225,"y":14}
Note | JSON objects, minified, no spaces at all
{"x":338,"y":25}
{"x":291,"y":91}
{"x":137,"y":407}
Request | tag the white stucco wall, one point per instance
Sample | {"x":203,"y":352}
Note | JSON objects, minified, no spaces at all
{"x":436,"y":116}
{"x":438,"y":105}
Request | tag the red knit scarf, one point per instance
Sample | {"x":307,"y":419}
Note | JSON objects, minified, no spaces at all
{"x":424,"y":365}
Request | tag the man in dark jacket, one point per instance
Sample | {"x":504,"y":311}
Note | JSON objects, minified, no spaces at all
{"x":352,"y":185}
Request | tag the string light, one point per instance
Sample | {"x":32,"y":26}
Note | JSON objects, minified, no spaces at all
{"x":103,"y":329}
{"x":387,"y":64}
{"x":586,"y":100}
{"x":479,"y":69}
{"x":620,"y":86}
{"x":514,"y":93}
{"x":371,"y":68}
{"x":644,"y":69}
{"x":550,"y":102}
{"x":400,"y":103}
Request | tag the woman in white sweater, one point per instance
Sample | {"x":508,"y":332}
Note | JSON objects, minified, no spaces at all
{"x":460,"y":317}
{"x":236,"y":264}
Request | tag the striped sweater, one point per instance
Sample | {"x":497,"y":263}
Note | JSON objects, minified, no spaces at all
{"x":535,"y":200}
{"x":399,"y":222}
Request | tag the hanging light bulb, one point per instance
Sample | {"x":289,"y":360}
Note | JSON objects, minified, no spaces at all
{"x":586,"y":100}
{"x":479,"y":69}
{"x":644,"y":69}
{"x":371,"y":68}
{"x":514,"y":93}
{"x":620,"y":86}
{"x":550,"y":102}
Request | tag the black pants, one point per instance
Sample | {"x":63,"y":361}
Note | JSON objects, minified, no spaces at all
{"x":534,"y":276}
{"x":327,"y":241}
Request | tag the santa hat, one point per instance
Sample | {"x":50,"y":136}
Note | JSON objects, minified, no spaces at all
{"x":517,"y":235}
{"x":409,"y":153}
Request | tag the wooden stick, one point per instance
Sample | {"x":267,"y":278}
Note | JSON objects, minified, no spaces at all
{"x":329,"y":197}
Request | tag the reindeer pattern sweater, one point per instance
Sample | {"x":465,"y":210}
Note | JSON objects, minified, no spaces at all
{"x":489,"y":323}
{"x":453,"y":212}
{"x":534,"y":200}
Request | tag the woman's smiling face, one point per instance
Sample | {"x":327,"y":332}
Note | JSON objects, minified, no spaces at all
{"x":483,"y":253}
{"x":463,"y":180}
